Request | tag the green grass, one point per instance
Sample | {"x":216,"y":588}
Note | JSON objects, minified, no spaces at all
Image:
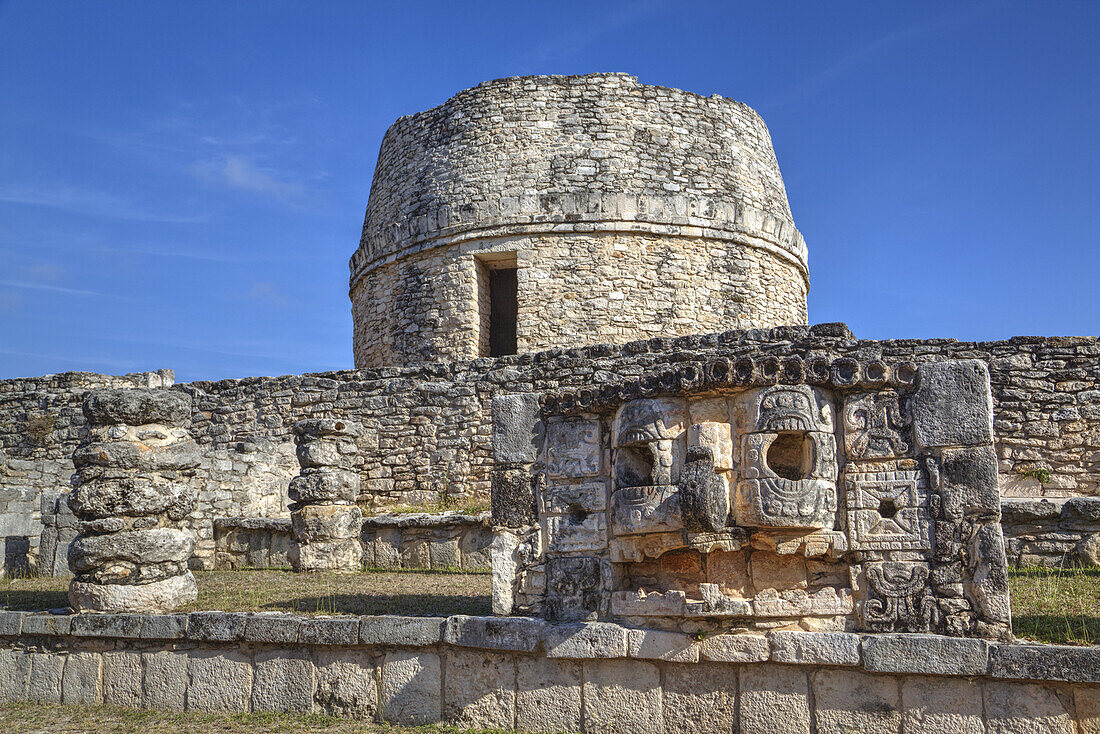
{"x":1056,"y":605}
{"x":281,"y":590}
{"x":55,"y":719}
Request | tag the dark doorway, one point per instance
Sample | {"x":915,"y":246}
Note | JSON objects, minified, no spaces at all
{"x":503,"y":311}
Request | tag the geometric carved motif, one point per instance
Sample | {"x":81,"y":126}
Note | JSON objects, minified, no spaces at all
{"x":573,"y":448}
{"x":873,"y":426}
{"x":888,"y":510}
{"x":898,"y":598}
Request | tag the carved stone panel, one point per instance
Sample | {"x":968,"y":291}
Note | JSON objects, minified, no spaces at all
{"x":875,"y":427}
{"x":574,"y":588}
{"x":789,"y":480}
{"x":637,"y":510}
{"x":786,"y":408}
{"x":888,"y":510}
{"x":896,"y":597}
{"x":573,"y":448}
{"x":648,"y":438}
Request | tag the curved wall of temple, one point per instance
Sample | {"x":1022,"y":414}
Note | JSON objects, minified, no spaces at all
{"x":619,"y":211}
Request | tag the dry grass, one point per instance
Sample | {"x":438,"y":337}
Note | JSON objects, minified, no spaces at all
{"x":1056,"y":605}
{"x":53,"y":719}
{"x":1048,"y":605}
{"x":281,"y":590}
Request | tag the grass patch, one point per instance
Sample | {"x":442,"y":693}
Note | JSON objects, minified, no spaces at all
{"x":1056,"y":605}
{"x":56,"y":719}
{"x":281,"y":590}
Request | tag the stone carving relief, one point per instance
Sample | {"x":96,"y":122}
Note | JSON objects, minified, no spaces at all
{"x":897,"y":598}
{"x":575,"y":588}
{"x":649,"y":442}
{"x":573,"y":448}
{"x":888,"y":510}
{"x":874,"y":426}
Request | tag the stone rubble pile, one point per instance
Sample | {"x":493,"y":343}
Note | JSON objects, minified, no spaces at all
{"x":325,"y":520}
{"x":133,"y":495}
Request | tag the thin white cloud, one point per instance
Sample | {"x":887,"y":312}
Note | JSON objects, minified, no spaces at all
{"x":268,"y":293}
{"x":55,"y":289}
{"x":88,"y":203}
{"x":239,"y":173}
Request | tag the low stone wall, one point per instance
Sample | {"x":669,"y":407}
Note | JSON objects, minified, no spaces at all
{"x":1052,"y":532}
{"x":526,"y":674}
{"x":418,"y":541}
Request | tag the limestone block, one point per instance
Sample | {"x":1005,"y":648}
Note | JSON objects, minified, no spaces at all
{"x":775,"y":699}
{"x":157,"y":545}
{"x":44,"y":682}
{"x":81,"y":683}
{"x":505,"y":563}
{"x":328,"y":555}
{"x":925,"y":654}
{"x":700,"y":699}
{"x":47,"y":624}
{"x":111,"y":406}
{"x":11,"y":623}
{"x":621,"y":696}
{"x":329,"y":631}
{"x":521,"y":634}
{"x":1046,"y":662}
{"x":953,"y":404}
{"x":158,"y":597}
{"x":218,"y":680}
{"x":15,"y":669}
{"x":313,"y":428}
{"x":131,"y":497}
{"x":849,"y":701}
{"x":573,"y":448}
{"x":345,"y":683}
{"x":817,"y":648}
{"x":968,"y":482}
{"x":562,"y":499}
{"x":585,"y":641}
{"x":444,"y":554}
{"x":548,"y":695}
{"x":575,"y":588}
{"x":411,"y":692}
{"x":141,"y":459}
{"x":1087,"y":703}
{"x":163,"y":626}
{"x":321,"y":453}
{"x":661,"y":645}
{"x":281,"y":629}
{"x":479,"y":689}
{"x":329,"y":485}
{"x":216,"y":626}
{"x":939,"y":705}
{"x":327,"y":522}
{"x":283,"y":681}
{"x":735,"y":648}
{"x":122,"y":679}
{"x":400,"y":631}
{"x":568,"y":534}
{"x":512,"y":498}
{"x":164,"y":681}
{"x":517,"y":430}
{"x":1025,"y":708}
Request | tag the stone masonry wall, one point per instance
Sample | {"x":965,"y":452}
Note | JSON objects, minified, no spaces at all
{"x":521,"y":673}
{"x":40,"y":422}
{"x":596,"y":181}
{"x":573,"y":289}
{"x":428,"y":428}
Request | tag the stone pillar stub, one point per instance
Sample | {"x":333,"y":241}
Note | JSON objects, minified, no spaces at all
{"x":133,"y":492}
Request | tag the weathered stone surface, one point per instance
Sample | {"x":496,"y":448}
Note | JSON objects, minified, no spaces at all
{"x":272,"y":628}
{"x":81,"y":683}
{"x":969,"y":484}
{"x":283,"y":681}
{"x":661,"y":645}
{"x":953,"y":404}
{"x":135,"y":458}
{"x":621,"y":696}
{"x":328,"y":555}
{"x":479,"y":689}
{"x":1087,"y":703}
{"x":587,"y":640}
{"x":163,"y":627}
{"x":925,"y":654}
{"x":704,"y":497}
{"x":312,"y":428}
{"x":218,"y":680}
{"x":110,"y":500}
{"x":700,"y":699}
{"x":15,"y":668}
{"x":158,"y":597}
{"x":137,"y":406}
{"x":122,"y":626}
{"x":1013,"y":708}
{"x":157,"y":545}
{"x":411,"y":688}
{"x":1046,"y":662}
{"x":164,"y":680}
{"x":46,"y":624}
{"x":735,"y":648}
{"x":934,"y":705}
{"x":216,"y":626}
{"x":505,"y":561}
{"x":493,"y":633}
{"x":574,"y":588}
{"x":850,"y":701}
{"x":824,"y":648}
{"x":330,"y":631}
{"x":44,"y":681}
{"x":774,"y":700}
{"x":513,"y":496}
{"x":517,"y":430}
{"x":11,"y":623}
{"x":326,"y":522}
{"x":330,"y":485}
{"x":346,"y":683}
{"x":548,"y":695}
{"x":122,"y":682}
{"x":400,"y":631}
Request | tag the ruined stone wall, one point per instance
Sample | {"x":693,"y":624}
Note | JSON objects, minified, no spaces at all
{"x":517,"y":673}
{"x":40,"y":422}
{"x":637,"y":197}
{"x":428,"y":428}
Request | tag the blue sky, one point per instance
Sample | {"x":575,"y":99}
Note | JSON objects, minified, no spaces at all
{"x":181,"y":185}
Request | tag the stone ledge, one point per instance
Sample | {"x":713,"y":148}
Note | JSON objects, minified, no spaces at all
{"x":1046,"y":662}
{"x":518,"y":634}
{"x":925,"y":654}
{"x":815,"y":648}
{"x":424,"y":520}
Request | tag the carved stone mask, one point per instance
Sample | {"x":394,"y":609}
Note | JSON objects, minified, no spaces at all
{"x":647,"y":440}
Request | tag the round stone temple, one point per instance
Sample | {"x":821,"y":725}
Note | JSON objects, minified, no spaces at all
{"x":561,"y":211}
